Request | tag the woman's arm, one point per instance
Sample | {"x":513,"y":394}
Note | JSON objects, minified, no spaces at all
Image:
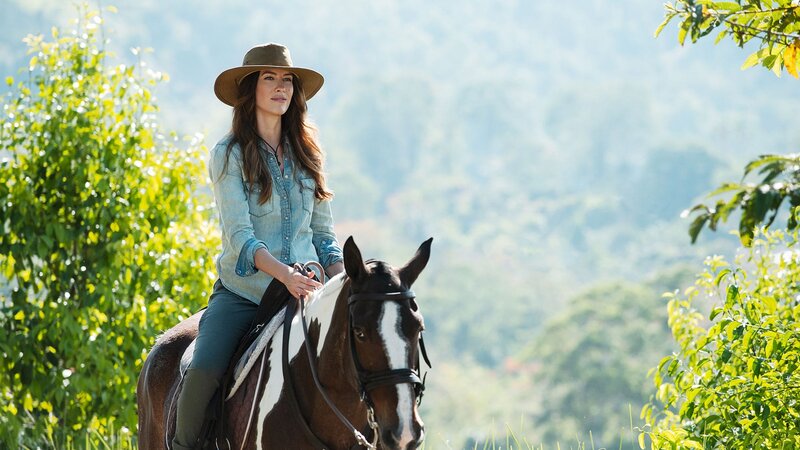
{"x":328,"y":250}
{"x":230,"y":195}
{"x":297,"y":283}
{"x":334,"y":269}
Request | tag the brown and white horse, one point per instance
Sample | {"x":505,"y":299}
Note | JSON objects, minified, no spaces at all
{"x":364,"y":329}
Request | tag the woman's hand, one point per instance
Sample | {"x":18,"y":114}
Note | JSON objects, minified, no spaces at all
{"x":298,"y":283}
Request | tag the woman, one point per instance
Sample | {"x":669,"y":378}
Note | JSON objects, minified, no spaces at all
{"x":274,"y":210}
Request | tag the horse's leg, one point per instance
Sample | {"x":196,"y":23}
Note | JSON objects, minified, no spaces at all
{"x":157,"y":382}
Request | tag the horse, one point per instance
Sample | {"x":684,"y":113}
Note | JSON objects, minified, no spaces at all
{"x":352,"y":379}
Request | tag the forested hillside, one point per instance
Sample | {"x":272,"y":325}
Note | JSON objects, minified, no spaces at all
{"x":548,"y":148}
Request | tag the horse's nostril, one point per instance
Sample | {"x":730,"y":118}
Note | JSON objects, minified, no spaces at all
{"x":389,"y":439}
{"x":416,"y":443}
{"x":421,"y":437}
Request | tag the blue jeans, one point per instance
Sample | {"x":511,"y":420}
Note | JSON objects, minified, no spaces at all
{"x":224,"y":323}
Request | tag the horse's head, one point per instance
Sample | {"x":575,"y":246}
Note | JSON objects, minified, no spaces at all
{"x":385,"y":327}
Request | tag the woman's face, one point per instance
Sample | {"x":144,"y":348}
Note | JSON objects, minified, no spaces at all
{"x":274,"y":91}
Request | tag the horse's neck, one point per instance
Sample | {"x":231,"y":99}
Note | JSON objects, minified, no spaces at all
{"x":329,"y":308}
{"x":323,"y":308}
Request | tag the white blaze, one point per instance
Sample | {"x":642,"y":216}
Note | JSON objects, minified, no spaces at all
{"x":397,"y":351}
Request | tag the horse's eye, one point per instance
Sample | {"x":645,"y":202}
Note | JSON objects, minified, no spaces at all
{"x":359,"y":333}
{"x":413,"y":305}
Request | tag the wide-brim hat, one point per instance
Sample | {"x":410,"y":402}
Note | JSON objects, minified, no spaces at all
{"x":261,"y":57}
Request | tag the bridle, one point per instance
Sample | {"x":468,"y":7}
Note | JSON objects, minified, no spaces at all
{"x":368,"y":380}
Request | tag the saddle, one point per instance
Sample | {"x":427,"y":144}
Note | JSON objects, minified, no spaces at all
{"x":268,"y":317}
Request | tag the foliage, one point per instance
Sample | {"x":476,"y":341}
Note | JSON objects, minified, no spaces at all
{"x":759,"y":203}
{"x":775,"y":23}
{"x":105,"y":241}
{"x":592,"y":361}
{"x":734,"y":382}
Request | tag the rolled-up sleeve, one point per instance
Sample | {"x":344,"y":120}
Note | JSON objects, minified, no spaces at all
{"x":230,"y":196}
{"x":328,"y":250}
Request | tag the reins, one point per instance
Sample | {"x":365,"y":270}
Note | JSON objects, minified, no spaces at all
{"x":367,"y":380}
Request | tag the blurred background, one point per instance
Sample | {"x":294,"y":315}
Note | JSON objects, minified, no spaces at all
{"x":548,"y":147}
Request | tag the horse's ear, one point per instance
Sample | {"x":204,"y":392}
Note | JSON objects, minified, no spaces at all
{"x":412,"y":269}
{"x":353,"y":263}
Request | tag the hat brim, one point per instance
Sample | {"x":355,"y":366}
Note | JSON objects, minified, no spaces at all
{"x":226,"y":86}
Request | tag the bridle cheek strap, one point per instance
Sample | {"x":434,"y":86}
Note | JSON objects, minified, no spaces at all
{"x":372,"y":380}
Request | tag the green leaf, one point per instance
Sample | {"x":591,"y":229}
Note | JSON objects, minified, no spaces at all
{"x":663,"y":24}
{"x":730,"y":330}
{"x":732,"y":295}
{"x":726,"y":7}
{"x":726,"y":355}
{"x":722,"y":34}
{"x":721,"y":276}
{"x":751,"y":60}
{"x":777,"y":65}
{"x":685,"y":25}
{"x":697,"y":225}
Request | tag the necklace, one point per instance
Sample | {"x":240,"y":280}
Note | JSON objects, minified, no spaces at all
{"x":274,"y":151}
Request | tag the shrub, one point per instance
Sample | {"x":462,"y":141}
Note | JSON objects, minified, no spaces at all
{"x":105,"y":240}
{"x":734,"y":382}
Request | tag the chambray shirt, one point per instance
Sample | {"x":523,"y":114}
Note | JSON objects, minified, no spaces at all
{"x":292,"y":225}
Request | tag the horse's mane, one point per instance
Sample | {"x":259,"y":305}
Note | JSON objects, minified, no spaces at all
{"x":323,"y":301}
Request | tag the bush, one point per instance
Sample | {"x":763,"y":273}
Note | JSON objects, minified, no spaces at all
{"x":105,"y":240}
{"x":734,"y":382}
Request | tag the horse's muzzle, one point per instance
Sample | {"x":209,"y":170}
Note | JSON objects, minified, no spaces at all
{"x":392,"y":441}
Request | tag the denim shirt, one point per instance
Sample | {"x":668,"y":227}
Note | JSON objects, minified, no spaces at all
{"x":292,"y":225}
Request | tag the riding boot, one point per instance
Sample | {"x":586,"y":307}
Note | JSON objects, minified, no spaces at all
{"x":198,"y":388}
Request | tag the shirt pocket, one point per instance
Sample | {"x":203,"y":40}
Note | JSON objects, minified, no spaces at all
{"x":260,"y":210}
{"x":307,"y":187}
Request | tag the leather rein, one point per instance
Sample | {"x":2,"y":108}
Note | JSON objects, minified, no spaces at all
{"x":368,"y":380}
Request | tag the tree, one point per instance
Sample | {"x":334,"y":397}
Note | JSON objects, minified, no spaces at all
{"x":734,"y":382}
{"x":759,"y":203}
{"x":593,"y":361}
{"x":105,"y":239}
{"x":775,"y":24}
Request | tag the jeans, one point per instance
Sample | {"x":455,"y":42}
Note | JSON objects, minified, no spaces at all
{"x":224,"y":323}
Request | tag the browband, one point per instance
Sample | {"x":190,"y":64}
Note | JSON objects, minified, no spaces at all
{"x":389,"y":296}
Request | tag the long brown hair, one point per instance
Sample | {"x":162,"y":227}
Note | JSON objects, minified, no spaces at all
{"x":294,"y":125}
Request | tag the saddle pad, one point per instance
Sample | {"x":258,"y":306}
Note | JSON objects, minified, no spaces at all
{"x":252,"y":353}
{"x":248,"y":358}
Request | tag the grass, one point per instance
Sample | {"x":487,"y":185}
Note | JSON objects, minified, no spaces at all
{"x":121,"y":439}
{"x":124,"y":439}
{"x":517,"y":440}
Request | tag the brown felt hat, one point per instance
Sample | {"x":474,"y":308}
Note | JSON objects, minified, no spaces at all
{"x":260,"y":57}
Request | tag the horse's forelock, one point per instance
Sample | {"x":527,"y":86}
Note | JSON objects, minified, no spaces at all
{"x":380,"y":275}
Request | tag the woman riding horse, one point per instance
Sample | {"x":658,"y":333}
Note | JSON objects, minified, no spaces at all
{"x":274,"y":210}
{"x":342,"y":374}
